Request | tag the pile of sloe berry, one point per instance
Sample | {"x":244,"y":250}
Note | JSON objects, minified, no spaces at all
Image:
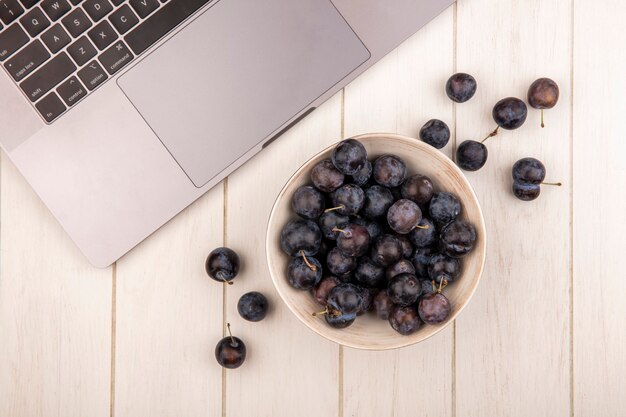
{"x":372,"y":237}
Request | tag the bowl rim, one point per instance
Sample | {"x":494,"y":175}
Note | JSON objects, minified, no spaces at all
{"x":480,"y":226}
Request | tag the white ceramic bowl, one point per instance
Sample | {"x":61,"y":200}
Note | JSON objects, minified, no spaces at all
{"x":369,"y":332}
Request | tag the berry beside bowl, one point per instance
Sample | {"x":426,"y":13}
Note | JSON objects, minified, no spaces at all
{"x":353,"y":328}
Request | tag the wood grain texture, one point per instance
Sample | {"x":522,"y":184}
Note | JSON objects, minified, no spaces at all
{"x":599,"y":198}
{"x":290,"y":371}
{"x":55,"y":313}
{"x":169,"y":319}
{"x":398,"y":95}
{"x":512,"y":342}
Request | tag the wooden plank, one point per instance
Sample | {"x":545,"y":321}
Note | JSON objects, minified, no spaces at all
{"x":55,"y":313}
{"x":512,"y":343}
{"x":599,"y":206}
{"x":290,"y":371}
{"x":399,"y":94}
{"x":169,"y":318}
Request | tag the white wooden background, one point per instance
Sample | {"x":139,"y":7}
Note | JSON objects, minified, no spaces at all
{"x":543,"y":336}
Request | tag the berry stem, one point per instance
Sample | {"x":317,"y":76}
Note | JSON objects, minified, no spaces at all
{"x":345,"y":232}
{"x":329,"y":311}
{"x":433,"y":284}
{"x":306,"y":261}
{"x":220,"y":275}
{"x":232,"y":339}
{"x":542,"y":123}
{"x":442,"y":284}
{"x":558,"y":184}
{"x":492,"y":134}
{"x":418,"y":226}
{"x":334,"y":208}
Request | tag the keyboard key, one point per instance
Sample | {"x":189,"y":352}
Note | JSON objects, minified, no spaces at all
{"x":35,"y":22}
{"x":97,"y":9}
{"x":102,"y":35}
{"x":123,"y":19}
{"x":144,"y":7}
{"x":48,"y":76}
{"x":161,"y":22}
{"x":116,"y":57}
{"x":71,"y":91}
{"x":55,"y":38}
{"x":76,"y":22}
{"x":81,"y":51}
{"x":12,"y":39}
{"x":10,"y":10}
{"x":27,"y":60}
{"x":28,"y":3}
{"x":55,"y":9}
{"x":92,"y":75}
{"x":50,"y":107}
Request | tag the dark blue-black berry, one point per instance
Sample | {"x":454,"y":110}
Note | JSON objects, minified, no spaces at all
{"x":461,"y":87}
{"x":348,"y":199}
{"x":378,"y":199}
{"x":404,"y":289}
{"x":444,"y":207}
{"x":436,"y":133}
{"x":424,"y":235}
{"x":526,"y":192}
{"x":529,"y":171}
{"x":418,"y":188}
{"x":386,"y":250}
{"x":443,"y":268}
{"x":471,"y":155}
{"x":458,"y":238}
{"x":405,"y":320}
{"x":349,"y":156}
{"x":369,"y":274}
{"x":510,"y":113}
{"x":300,"y":237}
{"x":252,"y":306}
{"x":326,"y":177}
{"x":528,"y":176}
{"x":308,"y":202}
{"x":222,"y":264}
{"x":389,"y":171}
{"x":339,"y":263}
{"x":304,"y":273}
{"x":332,"y":220}
{"x":230,"y":352}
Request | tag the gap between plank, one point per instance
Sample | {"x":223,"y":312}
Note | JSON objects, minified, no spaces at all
{"x":571,"y":216}
{"x":454,"y":121}
{"x":454,"y":70}
{"x":224,"y":288}
{"x":113,"y":336}
{"x":340,"y":361}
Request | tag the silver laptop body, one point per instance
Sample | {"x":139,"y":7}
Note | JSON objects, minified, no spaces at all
{"x":120,"y":113}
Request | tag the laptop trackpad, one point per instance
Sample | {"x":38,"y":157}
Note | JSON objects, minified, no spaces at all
{"x":238,"y":72}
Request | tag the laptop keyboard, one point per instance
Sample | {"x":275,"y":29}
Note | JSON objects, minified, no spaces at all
{"x":58,"y":51}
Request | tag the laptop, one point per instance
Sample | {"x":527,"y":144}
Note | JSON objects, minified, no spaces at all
{"x":120,"y":113}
